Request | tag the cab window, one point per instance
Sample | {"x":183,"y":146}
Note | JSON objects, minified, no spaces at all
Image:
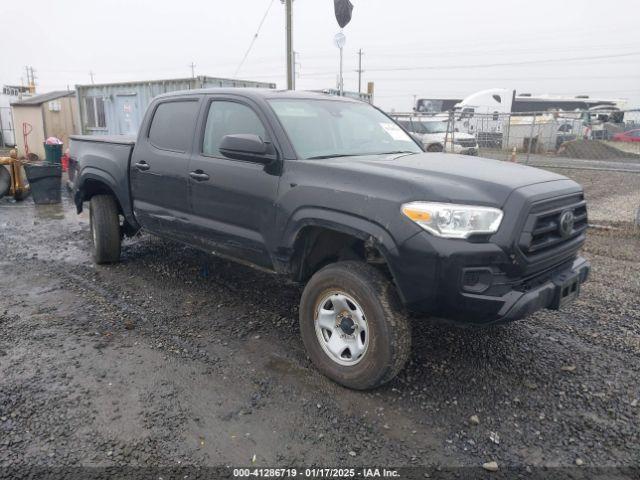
{"x":173,"y":124}
{"x":229,"y":118}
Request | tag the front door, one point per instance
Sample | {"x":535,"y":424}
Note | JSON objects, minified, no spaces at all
{"x":232,"y":200}
{"x":159,"y":167}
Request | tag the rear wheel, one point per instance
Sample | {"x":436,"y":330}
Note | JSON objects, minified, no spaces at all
{"x":353,"y":325}
{"x":105,"y":229}
{"x":434,"y":148}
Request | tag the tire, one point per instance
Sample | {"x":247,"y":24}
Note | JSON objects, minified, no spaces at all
{"x":388,"y":333}
{"x":5,"y":181}
{"x":105,"y":229}
{"x":435,"y":148}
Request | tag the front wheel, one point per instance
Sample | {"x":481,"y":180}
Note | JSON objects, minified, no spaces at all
{"x":353,"y":325}
{"x":105,"y":229}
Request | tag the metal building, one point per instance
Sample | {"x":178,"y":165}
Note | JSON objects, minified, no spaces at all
{"x":118,"y":108}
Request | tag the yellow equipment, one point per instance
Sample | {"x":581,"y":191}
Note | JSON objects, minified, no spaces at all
{"x":19,"y":188}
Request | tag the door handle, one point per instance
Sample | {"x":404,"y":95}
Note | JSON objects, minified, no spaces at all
{"x":199,"y":176}
{"x":142,"y":166}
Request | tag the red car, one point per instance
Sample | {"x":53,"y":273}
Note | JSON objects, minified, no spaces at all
{"x":630,"y":136}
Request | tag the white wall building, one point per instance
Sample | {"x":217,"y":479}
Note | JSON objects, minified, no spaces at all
{"x":8,"y":95}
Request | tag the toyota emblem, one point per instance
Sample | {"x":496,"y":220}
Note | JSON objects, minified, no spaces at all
{"x":567,"y":220}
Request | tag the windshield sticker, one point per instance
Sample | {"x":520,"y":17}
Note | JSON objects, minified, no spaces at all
{"x":394,"y":131}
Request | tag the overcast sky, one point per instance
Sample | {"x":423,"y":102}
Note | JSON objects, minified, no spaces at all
{"x":426,"y":48}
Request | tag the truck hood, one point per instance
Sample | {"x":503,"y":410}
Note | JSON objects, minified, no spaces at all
{"x":437,"y":177}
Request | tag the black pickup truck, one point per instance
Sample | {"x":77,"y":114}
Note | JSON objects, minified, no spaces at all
{"x":337,"y":196}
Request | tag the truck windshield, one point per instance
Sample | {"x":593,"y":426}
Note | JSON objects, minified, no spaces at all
{"x":435,"y":127}
{"x":330,"y":128}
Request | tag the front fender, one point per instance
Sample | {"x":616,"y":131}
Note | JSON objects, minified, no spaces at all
{"x":358,"y":227}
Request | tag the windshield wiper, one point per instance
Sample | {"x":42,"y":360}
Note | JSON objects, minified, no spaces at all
{"x":397,"y":152}
{"x":333,"y":155}
{"x":339,"y":155}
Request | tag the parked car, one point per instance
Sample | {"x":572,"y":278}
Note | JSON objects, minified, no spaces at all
{"x":432,"y":133}
{"x":334,"y":194}
{"x":630,"y":136}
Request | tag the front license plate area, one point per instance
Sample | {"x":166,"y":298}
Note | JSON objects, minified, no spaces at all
{"x":567,"y":290}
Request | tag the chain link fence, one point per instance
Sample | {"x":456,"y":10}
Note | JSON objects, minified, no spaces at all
{"x":600,"y":150}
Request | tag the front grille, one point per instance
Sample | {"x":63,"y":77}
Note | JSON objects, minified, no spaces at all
{"x":554,"y":225}
{"x":467,"y":143}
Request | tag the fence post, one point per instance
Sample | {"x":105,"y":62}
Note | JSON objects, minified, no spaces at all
{"x":453,"y":133}
{"x":446,"y":135}
{"x":504,"y":146}
{"x":533,"y":125}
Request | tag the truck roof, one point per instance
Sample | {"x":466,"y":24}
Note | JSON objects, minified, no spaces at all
{"x":260,"y":93}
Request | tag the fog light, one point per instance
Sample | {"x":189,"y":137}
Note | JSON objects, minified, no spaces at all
{"x":476,"y":280}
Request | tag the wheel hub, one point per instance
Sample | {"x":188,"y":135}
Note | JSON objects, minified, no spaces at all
{"x":342,"y":329}
{"x":346,"y":324}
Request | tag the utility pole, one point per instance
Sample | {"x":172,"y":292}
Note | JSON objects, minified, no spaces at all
{"x":91,"y":75}
{"x":296,"y":66}
{"x":290,"y":54}
{"x":193,"y":70}
{"x":341,"y":74}
{"x":360,"y":71}
{"x":31,"y":79}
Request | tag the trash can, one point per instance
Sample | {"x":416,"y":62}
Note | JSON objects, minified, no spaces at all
{"x":45,"y":182}
{"x":53,"y":153}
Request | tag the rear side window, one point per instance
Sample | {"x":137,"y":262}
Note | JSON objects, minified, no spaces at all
{"x":229,"y":118}
{"x":173,"y":125}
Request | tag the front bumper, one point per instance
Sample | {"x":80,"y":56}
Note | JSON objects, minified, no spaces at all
{"x":430,"y":275}
{"x":562,"y":287}
{"x":465,"y":150}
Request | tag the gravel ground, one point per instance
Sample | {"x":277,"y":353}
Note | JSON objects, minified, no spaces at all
{"x":612,"y":187}
{"x":540,"y":160}
{"x":175,"y":358}
{"x":613,"y":197}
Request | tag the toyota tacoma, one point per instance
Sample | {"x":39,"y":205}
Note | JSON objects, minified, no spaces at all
{"x":334,"y":194}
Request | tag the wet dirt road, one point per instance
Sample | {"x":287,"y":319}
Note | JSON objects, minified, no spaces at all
{"x":176,"y":358}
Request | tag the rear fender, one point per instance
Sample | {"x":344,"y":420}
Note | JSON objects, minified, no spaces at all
{"x":94,"y":181}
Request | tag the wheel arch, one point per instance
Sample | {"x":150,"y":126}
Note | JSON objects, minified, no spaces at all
{"x":319,"y":237}
{"x":93,"y":182}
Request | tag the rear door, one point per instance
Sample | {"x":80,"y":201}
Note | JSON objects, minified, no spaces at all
{"x":160,"y":166}
{"x":232,"y":201}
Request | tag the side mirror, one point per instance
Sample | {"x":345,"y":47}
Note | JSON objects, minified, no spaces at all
{"x":247,"y":147}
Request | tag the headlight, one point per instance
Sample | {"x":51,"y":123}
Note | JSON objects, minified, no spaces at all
{"x":453,"y":221}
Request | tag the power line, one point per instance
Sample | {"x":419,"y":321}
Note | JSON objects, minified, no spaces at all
{"x":492,"y":65}
{"x":515,"y":79}
{"x":253,"y":40}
